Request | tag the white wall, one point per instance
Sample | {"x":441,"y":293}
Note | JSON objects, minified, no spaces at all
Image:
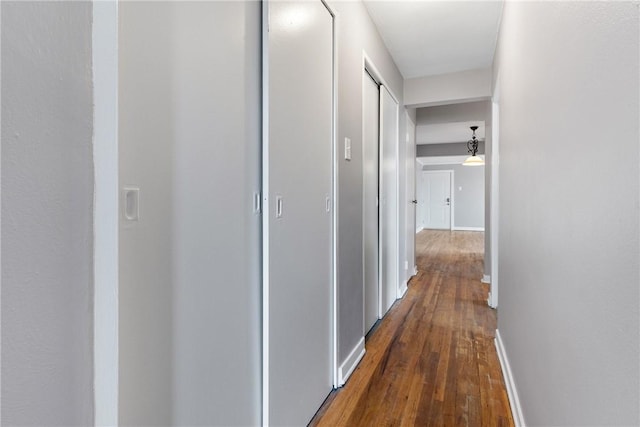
{"x":459,"y":149}
{"x":463,"y":86}
{"x":190,"y":280}
{"x":47,"y":197}
{"x":452,"y":113}
{"x":569,"y":209}
{"x":468,"y":195}
{"x":355,"y":33}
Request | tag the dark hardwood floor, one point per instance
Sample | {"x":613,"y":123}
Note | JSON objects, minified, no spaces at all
{"x":431,"y":361}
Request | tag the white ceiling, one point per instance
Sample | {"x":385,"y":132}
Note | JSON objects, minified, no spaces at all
{"x":428,"y":37}
{"x":443,"y":133}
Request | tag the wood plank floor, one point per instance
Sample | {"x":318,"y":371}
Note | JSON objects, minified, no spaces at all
{"x":431,"y":361}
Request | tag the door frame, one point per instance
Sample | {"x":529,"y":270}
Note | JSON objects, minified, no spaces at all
{"x":451,"y":190}
{"x":494,"y":207}
{"x":334,"y":197}
{"x":370,"y":67}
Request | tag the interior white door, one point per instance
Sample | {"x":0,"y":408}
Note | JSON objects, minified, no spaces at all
{"x":421,"y":197}
{"x":388,"y":199}
{"x":371,"y":114}
{"x":410,"y":231}
{"x":297,"y":320}
{"x":438,"y":199}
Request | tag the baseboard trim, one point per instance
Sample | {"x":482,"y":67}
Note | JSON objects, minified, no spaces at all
{"x":403,"y":289}
{"x":455,"y":228}
{"x":486,"y":279}
{"x":349,"y":365}
{"x":512,"y":392}
{"x":415,"y":270}
{"x":419,"y":229}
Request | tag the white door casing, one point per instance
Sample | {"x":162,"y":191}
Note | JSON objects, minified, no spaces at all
{"x":370,"y":147}
{"x":421,"y":198}
{"x":495,"y":203}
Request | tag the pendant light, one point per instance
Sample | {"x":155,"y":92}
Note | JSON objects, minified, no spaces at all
{"x":472,"y":148}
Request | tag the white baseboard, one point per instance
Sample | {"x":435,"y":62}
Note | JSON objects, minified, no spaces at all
{"x":403,"y":289}
{"x":349,"y":365}
{"x":415,"y":270}
{"x":419,"y":229}
{"x":486,"y":279}
{"x":455,"y":228}
{"x":514,"y":401}
{"x":490,"y":301}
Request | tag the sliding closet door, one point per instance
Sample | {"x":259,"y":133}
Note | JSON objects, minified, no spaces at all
{"x":388,"y":198}
{"x":371,"y":114}
{"x":298,"y":228}
{"x":189,"y":240}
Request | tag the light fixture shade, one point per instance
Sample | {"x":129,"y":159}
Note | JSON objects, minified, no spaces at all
{"x":473,"y":161}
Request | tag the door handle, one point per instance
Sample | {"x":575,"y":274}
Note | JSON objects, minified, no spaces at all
{"x":448,"y":201}
{"x":415,"y":202}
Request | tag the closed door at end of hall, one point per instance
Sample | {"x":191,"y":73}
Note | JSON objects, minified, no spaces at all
{"x":438,"y":200}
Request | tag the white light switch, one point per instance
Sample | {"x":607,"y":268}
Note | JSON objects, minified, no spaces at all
{"x":347,"y":149}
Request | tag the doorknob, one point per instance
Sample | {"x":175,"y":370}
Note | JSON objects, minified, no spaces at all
{"x":415,"y":202}
{"x":448,"y":201}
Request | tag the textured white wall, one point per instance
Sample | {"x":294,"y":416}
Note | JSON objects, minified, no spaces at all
{"x":47,"y":197}
{"x":569,"y":209}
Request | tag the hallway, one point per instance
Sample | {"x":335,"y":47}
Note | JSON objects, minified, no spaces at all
{"x":431,"y":360}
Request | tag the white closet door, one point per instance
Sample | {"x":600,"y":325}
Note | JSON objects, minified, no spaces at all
{"x":297,"y":329}
{"x":388,"y":198}
{"x":190,"y":262}
{"x":410,"y":230}
{"x":438,"y":194}
{"x":371,"y":104}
